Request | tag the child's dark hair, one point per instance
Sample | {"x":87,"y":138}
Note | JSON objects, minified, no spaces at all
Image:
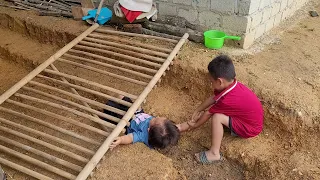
{"x":162,"y":136}
{"x":222,"y":67}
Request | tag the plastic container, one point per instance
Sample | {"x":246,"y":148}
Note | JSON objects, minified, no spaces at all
{"x":214,"y":39}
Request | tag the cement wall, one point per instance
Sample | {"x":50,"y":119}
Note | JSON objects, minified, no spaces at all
{"x":247,"y":18}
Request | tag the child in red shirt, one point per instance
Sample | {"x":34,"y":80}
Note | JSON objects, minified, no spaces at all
{"x":233,"y":105}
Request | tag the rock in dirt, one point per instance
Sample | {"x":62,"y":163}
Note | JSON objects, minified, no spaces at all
{"x":314,"y":14}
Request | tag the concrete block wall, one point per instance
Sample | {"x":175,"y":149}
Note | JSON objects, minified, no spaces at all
{"x":247,"y":18}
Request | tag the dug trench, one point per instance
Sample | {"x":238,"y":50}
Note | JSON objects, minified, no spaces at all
{"x":286,"y":149}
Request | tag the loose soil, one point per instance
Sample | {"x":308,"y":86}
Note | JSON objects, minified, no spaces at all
{"x":284,"y":73}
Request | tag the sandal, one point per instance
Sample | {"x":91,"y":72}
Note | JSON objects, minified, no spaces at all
{"x":203,"y":158}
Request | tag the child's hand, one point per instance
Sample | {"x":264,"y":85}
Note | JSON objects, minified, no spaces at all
{"x":115,"y":143}
{"x":196,"y":115}
{"x":185,"y":126}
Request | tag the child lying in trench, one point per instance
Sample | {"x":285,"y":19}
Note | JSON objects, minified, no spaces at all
{"x":155,"y":132}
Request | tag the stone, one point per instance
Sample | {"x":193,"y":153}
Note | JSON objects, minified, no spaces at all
{"x":209,"y":19}
{"x":201,"y":3}
{"x":261,"y":29}
{"x":266,"y":14}
{"x":244,"y":6}
{"x":225,"y":6}
{"x":284,"y":4}
{"x":290,"y":2}
{"x":264,"y":3}
{"x":167,"y":9}
{"x":236,"y":23}
{"x":277,"y":19}
{"x":256,"y":19}
{"x":254,"y":6}
{"x":191,"y":15}
{"x":286,"y":14}
{"x":275,"y":9}
{"x":270,"y":24}
{"x":247,"y":7}
{"x":247,"y":39}
{"x":185,"y":2}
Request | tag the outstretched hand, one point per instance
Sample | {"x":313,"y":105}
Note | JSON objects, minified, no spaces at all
{"x":115,"y":143}
{"x":196,"y":115}
{"x":185,"y":126}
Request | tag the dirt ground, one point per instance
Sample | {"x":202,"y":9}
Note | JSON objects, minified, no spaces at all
{"x":283,"y":69}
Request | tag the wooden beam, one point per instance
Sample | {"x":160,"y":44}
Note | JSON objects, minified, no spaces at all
{"x":120,"y":101}
{"x":104,"y":72}
{"x":125,"y":41}
{"x":105,"y":146}
{"x":91,"y":83}
{"x":45,"y":144}
{"x":123,"y":56}
{"x":57,"y":128}
{"x":108,"y":66}
{"x":59,"y":106}
{"x":45,"y":64}
{"x":56,"y":116}
{"x":24,"y":170}
{"x":123,"y":51}
{"x":42,"y":154}
{"x":48,"y":136}
{"x":37,"y":163}
{"x":87,"y":100}
{"x":111,"y":60}
{"x":128,"y":47}
{"x":106,"y":31}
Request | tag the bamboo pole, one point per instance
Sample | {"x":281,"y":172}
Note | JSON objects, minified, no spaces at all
{"x":103,"y":30}
{"x":103,"y":72}
{"x":114,"y":61}
{"x":75,"y":92}
{"x":42,"y":154}
{"x":57,"y":128}
{"x":105,"y":146}
{"x":45,"y":144}
{"x":98,"y":11}
{"x":24,"y":170}
{"x":108,"y":66}
{"x":120,"y":101}
{"x":87,"y":100}
{"x":45,"y":64}
{"x":52,"y":138}
{"x":123,"y":51}
{"x":59,"y":6}
{"x":70,"y":103}
{"x":124,"y":46}
{"x":56,"y":116}
{"x":59,"y":106}
{"x":90,"y":83}
{"x":156,"y":65}
{"x":26,"y":6}
{"x":37,"y":163}
{"x":125,"y":41}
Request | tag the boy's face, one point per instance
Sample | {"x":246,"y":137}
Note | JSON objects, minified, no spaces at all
{"x":216,"y":84}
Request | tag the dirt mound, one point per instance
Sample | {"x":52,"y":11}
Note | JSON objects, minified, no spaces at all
{"x":136,"y":162}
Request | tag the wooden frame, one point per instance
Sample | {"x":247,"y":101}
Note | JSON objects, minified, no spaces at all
{"x":31,"y":98}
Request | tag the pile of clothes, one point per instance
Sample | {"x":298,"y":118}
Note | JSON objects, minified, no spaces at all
{"x":135,"y":9}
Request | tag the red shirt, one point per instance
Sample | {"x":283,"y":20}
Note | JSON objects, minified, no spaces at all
{"x":243,"y":106}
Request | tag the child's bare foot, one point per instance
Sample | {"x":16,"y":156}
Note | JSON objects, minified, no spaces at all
{"x":207,"y":157}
